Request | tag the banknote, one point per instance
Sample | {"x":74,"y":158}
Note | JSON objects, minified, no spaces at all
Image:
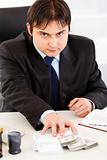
{"x":90,"y":143}
{"x":82,"y":143}
{"x":78,"y":144}
{"x":68,"y":140}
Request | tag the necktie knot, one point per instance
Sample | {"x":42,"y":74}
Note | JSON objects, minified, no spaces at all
{"x":48,"y":60}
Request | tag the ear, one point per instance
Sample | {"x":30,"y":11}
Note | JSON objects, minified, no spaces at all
{"x":28,"y":28}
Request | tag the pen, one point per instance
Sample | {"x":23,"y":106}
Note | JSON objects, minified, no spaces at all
{"x":93,"y":127}
{"x":100,"y":125}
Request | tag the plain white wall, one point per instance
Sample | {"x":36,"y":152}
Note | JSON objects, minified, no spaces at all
{"x":89,"y":18}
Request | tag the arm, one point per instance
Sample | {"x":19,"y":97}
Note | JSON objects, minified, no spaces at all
{"x":15,"y":89}
{"x":96,"y":90}
{"x":20,"y":97}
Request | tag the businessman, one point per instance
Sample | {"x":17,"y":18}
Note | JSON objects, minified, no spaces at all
{"x":46,"y":69}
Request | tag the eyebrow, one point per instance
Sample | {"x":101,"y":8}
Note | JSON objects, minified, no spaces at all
{"x":49,"y":33}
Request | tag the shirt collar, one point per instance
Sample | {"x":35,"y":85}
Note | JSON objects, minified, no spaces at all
{"x":44,"y":55}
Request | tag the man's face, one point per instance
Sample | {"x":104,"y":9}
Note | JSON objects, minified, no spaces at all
{"x":52,"y":39}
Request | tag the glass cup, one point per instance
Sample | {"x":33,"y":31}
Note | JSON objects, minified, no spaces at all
{"x":14,"y":142}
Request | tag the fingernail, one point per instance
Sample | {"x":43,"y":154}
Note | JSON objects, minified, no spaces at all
{"x":75,"y":132}
{"x":54,"y":134}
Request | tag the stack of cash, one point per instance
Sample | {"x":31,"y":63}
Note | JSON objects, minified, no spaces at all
{"x":76,"y":142}
{"x":69,"y":141}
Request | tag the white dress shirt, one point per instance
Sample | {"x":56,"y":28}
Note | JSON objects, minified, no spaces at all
{"x":55,"y":64}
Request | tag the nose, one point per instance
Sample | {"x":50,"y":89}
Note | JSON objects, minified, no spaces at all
{"x":53,"y":42}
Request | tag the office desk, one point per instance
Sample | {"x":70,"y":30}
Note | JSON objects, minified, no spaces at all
{"x":17,"y":120}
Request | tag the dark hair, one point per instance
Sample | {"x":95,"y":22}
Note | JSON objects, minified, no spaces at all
{"x":44,"y":11}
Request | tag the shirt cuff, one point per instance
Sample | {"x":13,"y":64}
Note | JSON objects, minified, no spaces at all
{"x":92,"y":104}
{"x":45,"y":114}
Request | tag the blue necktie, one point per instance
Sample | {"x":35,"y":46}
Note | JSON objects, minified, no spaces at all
{"x":54,"y":84}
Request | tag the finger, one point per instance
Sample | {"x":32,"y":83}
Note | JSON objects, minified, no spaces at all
{"x":76,"y":106}
{"x":71,"y":126}
{"x":54,"y":129}
{"x":61,"y":128}
{"x":73,"y":102}
{"x":45,"y":128}
{"x":80,"y":108}
{"x":83,"y":115}
{"x":83,"y":112}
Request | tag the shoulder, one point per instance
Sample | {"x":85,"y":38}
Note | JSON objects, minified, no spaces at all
{"x":79,"y":38}
{"x":81,"y":44}
{"x":16,"y":46}
{"x":14,"y":43}
{"x":79,"y":41}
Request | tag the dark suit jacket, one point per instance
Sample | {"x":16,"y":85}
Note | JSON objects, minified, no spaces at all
{"x":25,"y":79}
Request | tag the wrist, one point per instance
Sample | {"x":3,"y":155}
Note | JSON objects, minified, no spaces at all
{"x":45,"y":114}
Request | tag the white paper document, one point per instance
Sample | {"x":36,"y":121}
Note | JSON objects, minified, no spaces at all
{"x":47,"y":144}
{"x":97,"y":119}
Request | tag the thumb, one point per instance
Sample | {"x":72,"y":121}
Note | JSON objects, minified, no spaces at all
{"x":45,"y":128}
{"x":73,"y":102}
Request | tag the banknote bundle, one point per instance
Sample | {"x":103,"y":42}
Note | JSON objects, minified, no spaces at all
{"x":74,"y":143}
{"x":48,"y":143}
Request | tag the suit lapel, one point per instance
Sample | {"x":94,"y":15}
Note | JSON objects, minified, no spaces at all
{"x":41,"y":71}
{"x":66,"y":69}
{"x":42,"y":74}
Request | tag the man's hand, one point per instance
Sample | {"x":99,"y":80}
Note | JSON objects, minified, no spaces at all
{"x":81,"y":106}
{"x":57,"y":124}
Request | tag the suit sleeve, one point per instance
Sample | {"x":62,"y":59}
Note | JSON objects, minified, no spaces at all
{"x":17,"y":95}
{"x":96,"y":89}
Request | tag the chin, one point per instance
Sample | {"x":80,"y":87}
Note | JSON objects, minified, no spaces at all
{"x":52,"y":54}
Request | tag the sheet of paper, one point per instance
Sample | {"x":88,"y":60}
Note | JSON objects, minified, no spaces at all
{"x":97,"y":119}
{"x":47,"y":144}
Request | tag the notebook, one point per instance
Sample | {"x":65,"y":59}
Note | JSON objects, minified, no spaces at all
{"x":97,"y":119}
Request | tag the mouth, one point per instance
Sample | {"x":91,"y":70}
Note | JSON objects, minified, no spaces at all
{"x":52,"y":50}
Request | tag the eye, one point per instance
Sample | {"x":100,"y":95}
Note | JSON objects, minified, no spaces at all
{"x":44,"y":35}
{"x":60,"y":34}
